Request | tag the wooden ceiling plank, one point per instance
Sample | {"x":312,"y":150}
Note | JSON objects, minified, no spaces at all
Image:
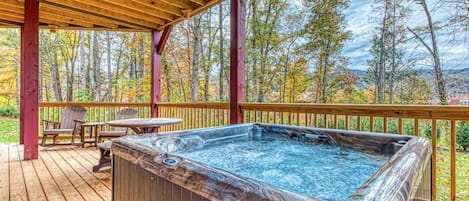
{"x":12,"y":19}
{"x":54,"y":22}
{"x":9,"y":13}
{"x":11,"y":8}
{"x":160,"y":6}
{"x":116,"y":10}
{"x":120,"y":29}
{"x":8,"y":23}
{"x":180,"y":3}
{"x":95,"y":21}
{"x":194,"y":12}
{"x":81,"y":10}
{"x":143,"y":8}
{"x":200,"y":2}
{"x":60,"y":18}
{"x":15,"y":3}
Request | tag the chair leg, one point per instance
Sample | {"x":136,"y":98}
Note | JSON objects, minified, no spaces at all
{"x":55,"y":139}
{"x":73,"y":139}
{"x":44,"y":137}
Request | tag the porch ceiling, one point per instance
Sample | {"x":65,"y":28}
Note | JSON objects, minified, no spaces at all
{"x":123,"y":15}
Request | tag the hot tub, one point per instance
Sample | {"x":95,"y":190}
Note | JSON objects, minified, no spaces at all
{"x":271,"y":162}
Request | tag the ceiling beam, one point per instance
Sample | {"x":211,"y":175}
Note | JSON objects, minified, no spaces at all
{"x":116,"y":10}
{"x":136,"y":7}
{"x":194,"y":12}
{"x":79,"y":9}
{"x":66,"y":20}
{"x":180,"y":3}
{"x":160,"y":6}
{"x":83,"y":18}
{"x":200,"y":2}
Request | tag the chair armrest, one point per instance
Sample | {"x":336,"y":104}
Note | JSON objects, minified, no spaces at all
{"x":77,"y":127}
{"x":47,"y":124}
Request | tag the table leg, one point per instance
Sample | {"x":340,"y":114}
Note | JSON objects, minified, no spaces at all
{"x":137,"y":130}
{"x":150,"y":130}
{"x":82,"y":136}
{"x":96,"y":136}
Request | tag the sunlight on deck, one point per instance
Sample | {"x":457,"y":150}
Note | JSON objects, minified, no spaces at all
{"x":60,"y":173}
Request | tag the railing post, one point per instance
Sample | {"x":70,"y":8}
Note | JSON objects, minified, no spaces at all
{"x":158,"y":43}
{"x":29,"y":77}
{"x":237,"y":63}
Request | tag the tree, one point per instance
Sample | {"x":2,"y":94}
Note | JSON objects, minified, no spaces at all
{"x":432,"y":49}
{"x":462,"y":137}
{"x":325,"y":32}
{"x":388,"y":49}
{"x":196,"y":28}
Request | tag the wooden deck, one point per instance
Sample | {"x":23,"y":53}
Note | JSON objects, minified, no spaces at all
{"x":60,"y":173}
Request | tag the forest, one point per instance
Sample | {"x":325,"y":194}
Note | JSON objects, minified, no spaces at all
{"x":295,"y":54}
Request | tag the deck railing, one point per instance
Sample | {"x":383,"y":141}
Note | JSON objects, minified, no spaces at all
{"x":195,"y":115}
{"x":403,"y":119}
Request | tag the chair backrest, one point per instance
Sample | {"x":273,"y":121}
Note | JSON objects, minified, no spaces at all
{"x":68,"y":115}
{"x":126,"y":113}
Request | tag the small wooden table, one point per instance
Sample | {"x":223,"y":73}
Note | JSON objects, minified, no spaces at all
{"x":144,"y":125}
{"x":94,"y":128}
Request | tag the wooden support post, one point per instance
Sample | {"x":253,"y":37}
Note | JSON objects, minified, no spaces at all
{"x":21,"y":92}
{"x":30,"y":74}
{"x":237,"y":64}
{"x":155,"y":73}
{"x":158,"y":42}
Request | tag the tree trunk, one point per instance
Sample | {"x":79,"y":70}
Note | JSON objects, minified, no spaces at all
{"x":51,"y":50}
{"x":433,"y":50}
{"x":81,"y":73}
{"x":109,"y":66}
{"x":382,"y":60}
{"x":208,"y":63}
{"x":440,"y":81}
{"x":195,"y":59}
{"x":222,"y":55}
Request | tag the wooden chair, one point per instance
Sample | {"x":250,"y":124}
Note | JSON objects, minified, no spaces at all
{"x":70,"y":120}
{"x":127,"y":113}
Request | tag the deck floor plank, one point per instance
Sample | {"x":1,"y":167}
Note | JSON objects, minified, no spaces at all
{"x":104,"y":176}
{"x":60,"y":173}
{"x":85,"y":173}
{"x":33,"y":186}
{"x":63,"y":182}
{"x":17,"y":184}
{"x":85,"y":190}
{"x":4,"y":173}
{"x":50,"y":186}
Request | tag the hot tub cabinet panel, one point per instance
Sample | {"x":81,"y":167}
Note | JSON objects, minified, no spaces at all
{"x":147,"y":168}
{"x":137,"y":184}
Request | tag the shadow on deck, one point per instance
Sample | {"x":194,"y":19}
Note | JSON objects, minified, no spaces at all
{"x":60,"y":173}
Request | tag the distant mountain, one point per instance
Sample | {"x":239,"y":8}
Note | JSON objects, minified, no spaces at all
{"x":457,"y":80}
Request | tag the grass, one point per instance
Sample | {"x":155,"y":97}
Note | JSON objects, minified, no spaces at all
{"x":9,"y":134}
{"x":9,"y":129}
{"x":443,"y":175}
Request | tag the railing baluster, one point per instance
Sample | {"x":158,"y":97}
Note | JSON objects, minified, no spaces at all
{"x":453,"y":161}
{"x":359,"y":123}
{"x":372,"y":124}
{"x":416,"y":127}
{"x":434,"y":158}
{"x":385,"y":125}
{"x":347,"y":122}
{"x":399,"y":126}
{"x":336,"y":123}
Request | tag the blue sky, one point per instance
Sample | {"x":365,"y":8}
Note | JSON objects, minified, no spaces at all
{"x":454,"y":55}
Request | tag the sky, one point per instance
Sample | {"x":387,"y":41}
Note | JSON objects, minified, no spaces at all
{"x":454,"y":55}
